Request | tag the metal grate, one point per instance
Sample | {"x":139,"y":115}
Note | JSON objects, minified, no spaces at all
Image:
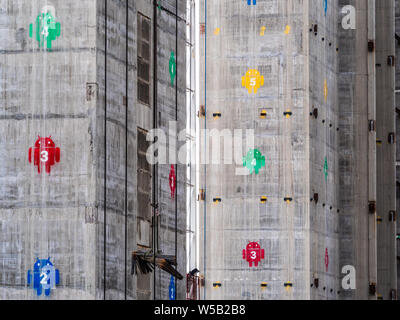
{"x":144,"y":177}
{"x":143,"y":59}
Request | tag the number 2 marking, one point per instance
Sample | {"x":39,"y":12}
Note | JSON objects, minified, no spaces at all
{"x":44,"y":279}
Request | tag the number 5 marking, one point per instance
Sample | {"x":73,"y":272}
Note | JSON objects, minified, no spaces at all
{"x":253,"y":82}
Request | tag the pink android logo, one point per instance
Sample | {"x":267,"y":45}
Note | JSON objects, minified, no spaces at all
{"x":253,"y":254}
{"x":172,"y":181}
{"x":326,"y":259}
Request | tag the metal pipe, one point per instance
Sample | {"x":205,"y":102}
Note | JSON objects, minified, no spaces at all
{"x":126,"y":147}
{"x":176,"y":150}
{"x":205,"y":147}
{"x":155,"y":177}
{"x":105,"y":152}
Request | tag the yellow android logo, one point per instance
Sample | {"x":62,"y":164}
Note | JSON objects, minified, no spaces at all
{"x":252,"y":81}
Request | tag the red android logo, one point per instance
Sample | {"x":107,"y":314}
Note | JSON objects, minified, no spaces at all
{"x":172,"y":181}
{"x":253,"y":254}
{"x":326,"y":259}
{"x":44,"y":153}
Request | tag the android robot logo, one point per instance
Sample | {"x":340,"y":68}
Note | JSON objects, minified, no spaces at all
{"x":326,"y":169}
{"x":172,"y":67}
{"x":254,"y":161}
{"x":44,"y":153}
{"x":46,"y":29}
{"x":172,"y":289}
{"x":172,"y":181}
{"x":252,"y":81}
{"x":326,"y":259}
{"x":253,"y":254}
{"x":43,"y":277}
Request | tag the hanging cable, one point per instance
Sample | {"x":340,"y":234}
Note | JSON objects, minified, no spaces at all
{"x":105,"y":151}
{"x":126,"y":144}
{"x":155,"y":170}
{"x":205,"y":147}
{"x":176,"y":119}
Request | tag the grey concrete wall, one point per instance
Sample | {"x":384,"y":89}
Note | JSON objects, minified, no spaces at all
{"x":397,"y":102}
{"x":141,"y":116}
{"x":357,"y":150}
{"x":281,"y":229}
{"x":118,"y":118}
{"x":386,"y":153}
{"x":324,"y":145}
{"x":171,"y":109}
{"x":296,"y":236}
{"x":44,"y":93}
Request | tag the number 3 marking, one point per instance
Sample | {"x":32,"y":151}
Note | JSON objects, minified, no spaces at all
{"x":253,"y":255}
{"x":44,"y":156}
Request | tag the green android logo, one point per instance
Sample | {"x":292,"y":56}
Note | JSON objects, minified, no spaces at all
{"x":46,"y":29}
{"x":254,"y":161}
{"x":326,"y":169}
{"x":172,"y":67}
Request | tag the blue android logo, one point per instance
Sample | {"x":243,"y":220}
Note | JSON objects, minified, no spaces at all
{"x":249,"y":2}
{"x":172,"y":289}
{"x":44,"y":277}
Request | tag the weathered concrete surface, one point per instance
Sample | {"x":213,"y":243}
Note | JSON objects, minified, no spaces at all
{"x":324,"y":142}
{"x":386,"y":153}
{"x":281,"y":229}
{"x":45,"y":93}
{"x":295,"y":68}
{"x":397,"y":86}
{"x":169,"y":110}
{"x":367,"y":167}
{"x":356,"y":157}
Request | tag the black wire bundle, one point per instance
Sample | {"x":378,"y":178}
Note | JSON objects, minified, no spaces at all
{"x":144,"y":262}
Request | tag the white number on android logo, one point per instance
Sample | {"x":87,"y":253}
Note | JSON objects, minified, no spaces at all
{"x":44,"y":279}
{"x":44,"y":156}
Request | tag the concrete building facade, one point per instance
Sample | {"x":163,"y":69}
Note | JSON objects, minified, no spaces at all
{"x":323,"y":117}
{"x":96,"y":79}
{"x":397,"y":45}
